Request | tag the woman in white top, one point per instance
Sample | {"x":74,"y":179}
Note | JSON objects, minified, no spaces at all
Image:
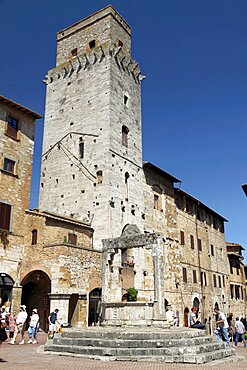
{"x":20,"y":324}
{"x":33,"y":327}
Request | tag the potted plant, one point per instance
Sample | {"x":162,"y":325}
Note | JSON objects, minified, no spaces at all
{"x":132,"y":294}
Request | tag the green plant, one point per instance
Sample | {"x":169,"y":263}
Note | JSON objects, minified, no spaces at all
{"x":245,"y":335}
{"x":132,"y":294}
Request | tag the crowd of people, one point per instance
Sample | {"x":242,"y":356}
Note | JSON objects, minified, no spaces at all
{"x":19,"y":323}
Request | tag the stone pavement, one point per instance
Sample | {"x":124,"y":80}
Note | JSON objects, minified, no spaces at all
{"x":31,"y":357}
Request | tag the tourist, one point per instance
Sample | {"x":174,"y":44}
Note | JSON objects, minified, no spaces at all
{"x":12,"y":324}
{"x":194,"y":320}
{"x":222,"y":326}
{"x":20,"y":325}
{"x":240,"y":330}
{"x":52,"y":319}
{"x":171,"y":317}
{"x":230,"y":322}
{"x":33,"y":327}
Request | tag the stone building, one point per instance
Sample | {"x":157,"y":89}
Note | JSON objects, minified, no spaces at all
{"x":92,"y":170}
{"x":237,"y":279}
{"x":45,"y":258}
{"x":106,"y":219}
{"x":17,"y":125}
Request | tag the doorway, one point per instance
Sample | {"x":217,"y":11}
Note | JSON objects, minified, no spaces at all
{"x":94,"y":306}
{"x":6,"y":286}
{"x":36,"y":287}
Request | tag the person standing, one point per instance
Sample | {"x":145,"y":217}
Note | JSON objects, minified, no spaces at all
{"x":52,"y":319}
{"x":20,"y":324}
{"x":240,"y":330}
{"x":12,"y":324}
{"x":33,"y":327}
{"x":222,"y":326}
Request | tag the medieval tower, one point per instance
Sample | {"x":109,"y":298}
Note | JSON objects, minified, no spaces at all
{"x":92,"y":150}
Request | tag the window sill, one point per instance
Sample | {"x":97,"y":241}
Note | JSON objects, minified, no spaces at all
{"x":9,"y":173}
{"x":12,"y":137}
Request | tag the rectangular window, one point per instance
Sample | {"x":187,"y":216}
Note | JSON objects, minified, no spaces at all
{"x":192,"y":242}
{"x":72,"y":238}
{"x":194,"y":277}
{"x":232,"y":291}
{"x":237,"y":267}
{"x":223,"y":280}
{"x":242,"y":292}
{"x":184,"y":275}
{"x":212,"y":250}
{"x":237,"y":292}
{"x":181,"y":237}
{"x":5,"y":212}
{"x":203,"y":278}
{"x":81,"y":149}
{"x":156,"y":201}
{"x":231,"y":268}
{"x":219,"y":279}
{"x":214,"y":278}
{"x":12,"y":127}
{"x":9,"y":165}
{"x":199,"y":243}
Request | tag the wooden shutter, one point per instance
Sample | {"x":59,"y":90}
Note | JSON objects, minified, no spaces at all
{"x":5,"y":212}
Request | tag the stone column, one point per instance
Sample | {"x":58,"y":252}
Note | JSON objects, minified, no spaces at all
{"x":80,"y":318}
{"x":16,"y":298}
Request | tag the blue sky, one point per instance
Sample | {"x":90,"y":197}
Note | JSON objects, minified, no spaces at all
{"x":194,"y":99}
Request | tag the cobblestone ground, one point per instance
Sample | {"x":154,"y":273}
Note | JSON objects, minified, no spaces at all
{"x":30,"y":357}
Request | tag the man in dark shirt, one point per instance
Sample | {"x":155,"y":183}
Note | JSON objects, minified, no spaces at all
{"x":52,"y":319}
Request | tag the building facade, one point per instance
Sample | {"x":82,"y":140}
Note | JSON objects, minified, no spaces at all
{"x":95,"y":187}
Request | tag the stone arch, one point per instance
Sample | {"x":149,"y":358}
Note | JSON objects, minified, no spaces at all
{"x":130,"y":229}
{"x":196,"y":303}
{"x":94,"y":304}
{"x":6,"y":286}
{"x":36,"y":286}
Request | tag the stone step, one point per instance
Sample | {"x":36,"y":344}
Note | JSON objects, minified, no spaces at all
{"x":126,"y":343}
{"x":141,"y":354}
{"x":137,"y":352}
{"x":100,"y":332}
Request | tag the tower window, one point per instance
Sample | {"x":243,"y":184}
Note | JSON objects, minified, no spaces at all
{"x":192,"y":242}
{"x":81,"y":149}
{"x":126,"y":178}
{"x":34,"y":237}
{"x":12,"y":127}
{"x":5,"y":213}
{"x":184,"y":275}
{"x":157,"y":197}
{"x":120,"y":43}
{"x":72,"y":238}
{"x":99,"y":175}
{"x":74,"y":52}
{"x":126,"y":98}
{"x":92,"y":44}
{"x":125,"y":132}
{"x":9,"y":165}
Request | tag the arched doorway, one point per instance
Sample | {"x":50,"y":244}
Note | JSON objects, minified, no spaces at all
{"x":6,"y":286}
{"x":186,"y":317}
{"x":196,"y":303}
{"x":36,"y":287}
{"x":94,"y":306}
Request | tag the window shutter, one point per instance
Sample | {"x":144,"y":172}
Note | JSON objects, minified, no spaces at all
{"x":5,"y":211}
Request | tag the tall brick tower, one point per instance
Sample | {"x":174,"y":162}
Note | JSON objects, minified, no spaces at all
{"x":92,"y":150}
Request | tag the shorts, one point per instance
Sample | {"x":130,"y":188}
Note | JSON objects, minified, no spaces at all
{"x":51,"y":327}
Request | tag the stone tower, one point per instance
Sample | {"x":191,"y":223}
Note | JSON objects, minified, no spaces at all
{"x":92,"y":150}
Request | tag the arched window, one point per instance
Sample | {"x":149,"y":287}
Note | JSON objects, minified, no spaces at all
{"x":157,"y":197}
{"x":126,"y":180}
{"x":34,"y":237}
{"x":125,"y":132}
